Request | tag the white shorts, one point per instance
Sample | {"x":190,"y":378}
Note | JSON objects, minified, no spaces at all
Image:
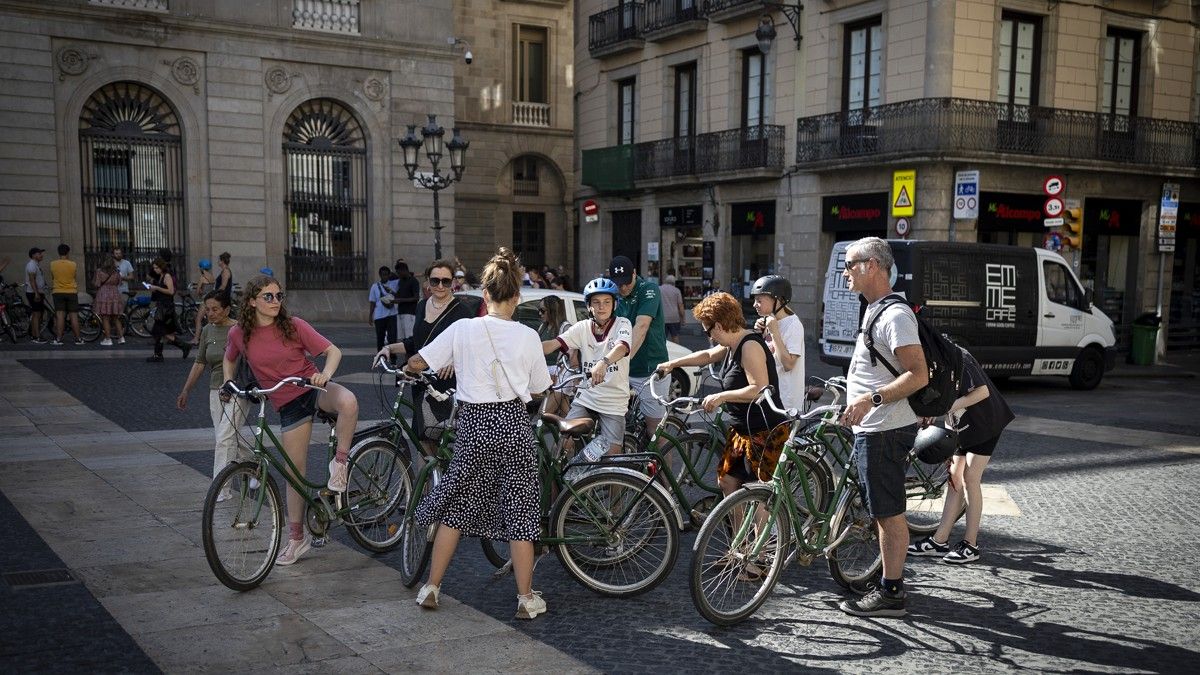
{"x":611,"y":427}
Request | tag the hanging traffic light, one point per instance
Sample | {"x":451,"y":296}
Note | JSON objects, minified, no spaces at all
{"x":1072,"y":230}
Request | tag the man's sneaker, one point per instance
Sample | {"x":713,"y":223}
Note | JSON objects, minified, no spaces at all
{"x":529,"y":606}
{"x":427,"y":597}
{"x":962,"y":554}
{"x":927,"y":546}
{"x":876,"y":603}
{"x":56,"y":342}
{"x":295,"y":548}
{"x":337,"y":475}
{"x":79,"y":341}
{"x":37,"y":341}
{"x":106,"y":342}
{"x":121,"y":340}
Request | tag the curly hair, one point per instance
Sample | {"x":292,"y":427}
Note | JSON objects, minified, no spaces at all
{"x":502,"y":276}
{"x":246,"y":318}
{"x":720,"y":309}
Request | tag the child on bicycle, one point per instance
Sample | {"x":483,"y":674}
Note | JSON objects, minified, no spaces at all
{"x":276,"y":346}
{"x":603,"y":342}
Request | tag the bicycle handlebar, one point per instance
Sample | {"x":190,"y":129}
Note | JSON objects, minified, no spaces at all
{"x":424,"y":377}
{"x":258,"y":391}
{"x":767,"y":397}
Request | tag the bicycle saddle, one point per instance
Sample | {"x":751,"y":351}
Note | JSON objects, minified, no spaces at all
{"x":326,"y":417}
{"x":570,"y":427}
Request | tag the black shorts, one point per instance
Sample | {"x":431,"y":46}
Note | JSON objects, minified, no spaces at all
{"x":36,"y":304}
{"x":882,"y":458}
{"x":299,"y":410}
{"x":984,"y":449}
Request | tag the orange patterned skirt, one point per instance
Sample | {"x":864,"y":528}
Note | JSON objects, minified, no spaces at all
{"x":754,"y":456}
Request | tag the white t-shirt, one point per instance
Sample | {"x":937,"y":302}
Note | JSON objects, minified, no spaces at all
{"x":32,"y":267}
{"x":791,"y":382}
{"x":124,"y":269}
{"x":612,"y":395}
{"x":481,"y":378}
{"x":378,"y":290}
{"x":896,"y":327}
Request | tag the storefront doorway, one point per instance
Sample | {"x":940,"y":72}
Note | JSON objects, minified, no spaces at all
{"x":627,"y":237}
{"x":681,"y":249}
{"x":1109,"y":264}
{"x":753,"y":235}
{"x":1183,"y":331}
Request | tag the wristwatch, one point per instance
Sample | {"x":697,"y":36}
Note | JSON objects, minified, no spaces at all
{"x":876,"y":398}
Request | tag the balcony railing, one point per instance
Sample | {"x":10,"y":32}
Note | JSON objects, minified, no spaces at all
{"x":966,"y":127}
{"x":758,"y":147}
{"x":724,"y":10}
{"x":333,"y":16}
{"x":531,"y":114}
{"x":617,"y":29}
{"x":720,"y":155}
{"x":152,"y":5}
{"x":665,"y":18}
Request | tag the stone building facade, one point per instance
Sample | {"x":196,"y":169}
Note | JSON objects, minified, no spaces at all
{"x":514,"y":104}
{"x":1105,"y":95}
{"x":265,"y":129}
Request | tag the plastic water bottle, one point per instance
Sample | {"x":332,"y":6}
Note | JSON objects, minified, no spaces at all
{"x":592,"y":452}
{"x":595,"y":450}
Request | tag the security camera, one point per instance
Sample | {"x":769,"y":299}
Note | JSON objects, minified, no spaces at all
{"x":468,"y":57}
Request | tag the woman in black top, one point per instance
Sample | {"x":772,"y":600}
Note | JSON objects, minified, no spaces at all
{"x":434,"y":314}
{"x":166,"y":321}
{"x":756,"y":434}
{"x":224,"y":282}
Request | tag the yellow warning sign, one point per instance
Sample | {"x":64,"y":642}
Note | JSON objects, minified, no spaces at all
{"x":904,"y":193}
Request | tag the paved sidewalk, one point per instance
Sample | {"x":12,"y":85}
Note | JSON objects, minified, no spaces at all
{"x":125,"y":517}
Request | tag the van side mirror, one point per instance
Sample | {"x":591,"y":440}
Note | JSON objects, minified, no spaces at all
{"x":1087,"y":299}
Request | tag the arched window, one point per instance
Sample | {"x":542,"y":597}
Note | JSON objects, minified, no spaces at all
{"x":325,"y":163}
{"x":131,"y":161}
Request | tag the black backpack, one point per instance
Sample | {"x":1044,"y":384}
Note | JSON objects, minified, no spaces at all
{"x":943,"y":358}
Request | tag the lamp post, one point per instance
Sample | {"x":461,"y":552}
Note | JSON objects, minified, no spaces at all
{"x":431,"y":140}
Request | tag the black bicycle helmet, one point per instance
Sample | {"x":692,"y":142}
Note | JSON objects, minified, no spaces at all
{"x":774,"y":286}
{"x":935,"y":444}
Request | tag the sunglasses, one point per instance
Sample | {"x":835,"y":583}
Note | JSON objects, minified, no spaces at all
{"x":271,"y":298}
{"x":708,"y":331}
{"x":441,"y":281}
{"x":852,"y":263}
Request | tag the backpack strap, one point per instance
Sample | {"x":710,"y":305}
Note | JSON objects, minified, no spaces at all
{"x":868,"y":336}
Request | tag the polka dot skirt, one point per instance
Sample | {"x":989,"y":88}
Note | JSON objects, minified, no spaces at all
{"x":491,"y":486}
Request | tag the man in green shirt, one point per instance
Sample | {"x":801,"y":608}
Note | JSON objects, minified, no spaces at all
{"x":642,"y":305}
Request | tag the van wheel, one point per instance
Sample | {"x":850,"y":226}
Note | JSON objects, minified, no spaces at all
{"x":1088,"y":370}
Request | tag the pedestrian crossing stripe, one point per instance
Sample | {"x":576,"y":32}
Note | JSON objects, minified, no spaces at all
{"x":902,"y":199}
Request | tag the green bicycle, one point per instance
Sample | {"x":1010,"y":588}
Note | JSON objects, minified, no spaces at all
{"x":243,"y":514}
{"x":757,"y":531}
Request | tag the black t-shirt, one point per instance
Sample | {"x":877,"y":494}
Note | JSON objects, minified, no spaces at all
{"x":733,"y":376}
{"x":408,"y":287}
{"x":986,"y":419}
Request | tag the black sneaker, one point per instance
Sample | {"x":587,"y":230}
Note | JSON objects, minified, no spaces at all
{"x":927,"y":546}
{"x":876,"y":603}
{"x":962,"y":554}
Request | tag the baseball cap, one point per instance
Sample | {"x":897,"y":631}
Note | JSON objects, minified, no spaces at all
{"x":35,"y":250}
{"x":620,"y":270}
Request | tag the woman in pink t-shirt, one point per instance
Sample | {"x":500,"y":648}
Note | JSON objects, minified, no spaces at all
{"x":277,"y":346}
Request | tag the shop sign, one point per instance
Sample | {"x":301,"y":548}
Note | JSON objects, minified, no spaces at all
{"x":753,"y":218}
{"x":1113,"y":217}
{"x":681,"y":216}
{"x":855,"y":213}
{"x":1004,"y":211}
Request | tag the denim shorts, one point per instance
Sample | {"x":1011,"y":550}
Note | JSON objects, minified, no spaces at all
{"x":611,"y":427}
{"x":882,"y":458}
{"x":298,"y":411}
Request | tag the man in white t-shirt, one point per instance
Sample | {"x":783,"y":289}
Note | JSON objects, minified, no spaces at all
{"x":603,"y":343}
{"x":35,"y":286}
{"x":784,"y":333}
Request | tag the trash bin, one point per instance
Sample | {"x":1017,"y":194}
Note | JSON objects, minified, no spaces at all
{"x":1144,"y":339}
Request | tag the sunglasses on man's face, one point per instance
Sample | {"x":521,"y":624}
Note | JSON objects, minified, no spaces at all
{"x":441,"y":281}
{"x":271,"y":298}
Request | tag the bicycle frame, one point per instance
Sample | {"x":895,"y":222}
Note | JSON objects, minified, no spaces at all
{"x":286,"y":468}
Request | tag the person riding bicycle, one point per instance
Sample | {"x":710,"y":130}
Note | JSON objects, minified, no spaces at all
{"x":277,"y":346}
{"x":784,"y":334}
{"x":603,"y":343}
{"x":756,"y":436}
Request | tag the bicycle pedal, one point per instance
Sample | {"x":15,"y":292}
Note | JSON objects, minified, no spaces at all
{"x":318,"y":542}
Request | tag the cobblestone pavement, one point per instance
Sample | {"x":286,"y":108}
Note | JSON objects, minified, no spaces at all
{"x":1096,"y":573}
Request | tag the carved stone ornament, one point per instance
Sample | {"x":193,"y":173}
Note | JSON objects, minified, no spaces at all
{"x":373,"y":88}
{"x":185,"y":71}
{"x":277,"y":79}
{"x":72,"y":61}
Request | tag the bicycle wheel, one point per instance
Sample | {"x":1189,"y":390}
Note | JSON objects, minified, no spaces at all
{"x":416,"y":543}
{"x":187,"y":322}
{"x":727,"y":582}
{"x":19,"y":316}
{"x":89,"y":325}
{"x":926,"y":487}
{"x":820,"y":482}
{"x":618,"y":559}
{"x":496,"y":552}
{"x":242,"y":531}
{"x":855,"y":563}
{"x":138,"y":317}
{"x":376,"y":497}
{"x":9,"y":329}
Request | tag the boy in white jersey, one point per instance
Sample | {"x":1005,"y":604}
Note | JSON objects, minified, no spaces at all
{"x":603,"y":343}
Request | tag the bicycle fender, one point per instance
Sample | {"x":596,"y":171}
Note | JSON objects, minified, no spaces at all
{"x":662,"y":491}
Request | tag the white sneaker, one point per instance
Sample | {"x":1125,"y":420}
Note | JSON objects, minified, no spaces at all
{"x":427,"y":597}
{"x":529,"y":606}
{"x":79,"y":341}
{"x":121,"y":340}
{"x":295,"y":548}
{"x":56,"y":342}
{"x":106,"y":342}
{"x":337,"y":475}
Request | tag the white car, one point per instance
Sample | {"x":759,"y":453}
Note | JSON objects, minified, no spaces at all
{"x":683,"y":383}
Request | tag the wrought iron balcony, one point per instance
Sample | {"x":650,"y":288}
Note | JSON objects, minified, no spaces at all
{"x":738,"y":150}
{"x":728,"y":10}
{"x":616,"y":30}
{"x":734,"y":154}
{"x":970,"y":128}
{"x":668,"y":18}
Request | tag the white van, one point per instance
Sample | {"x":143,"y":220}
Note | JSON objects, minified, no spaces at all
{"x":1018,"y":310}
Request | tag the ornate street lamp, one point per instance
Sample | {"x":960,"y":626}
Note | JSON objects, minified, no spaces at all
{"x":431,"y":141}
